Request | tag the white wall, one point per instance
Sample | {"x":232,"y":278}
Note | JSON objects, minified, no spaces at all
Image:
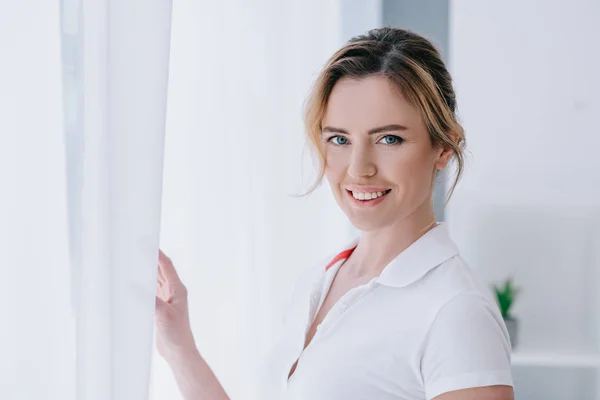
{"x":526,"y":74}
{"x":358,"y":17}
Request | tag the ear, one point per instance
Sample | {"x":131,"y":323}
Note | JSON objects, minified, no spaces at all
{"x":444,"y":155}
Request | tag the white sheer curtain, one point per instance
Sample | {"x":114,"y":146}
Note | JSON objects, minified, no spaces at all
{"x":37,"y":332}
{"x":81,"y":206}
{"x":234,"y":155}
{"x":81,"y":164}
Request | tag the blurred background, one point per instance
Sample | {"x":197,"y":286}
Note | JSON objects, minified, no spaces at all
{"x":227,"y":132}
{"x":528,"y":208}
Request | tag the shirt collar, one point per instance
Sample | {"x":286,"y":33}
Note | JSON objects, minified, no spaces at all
{"x":430,"y":250}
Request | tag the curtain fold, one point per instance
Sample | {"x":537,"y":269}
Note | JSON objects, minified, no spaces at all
{"x":83,"y":87}
{"x":36,"y":326}
{"x":125,"y":53}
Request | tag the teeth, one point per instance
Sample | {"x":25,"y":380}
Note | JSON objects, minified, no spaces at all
{"x":367,"y":196}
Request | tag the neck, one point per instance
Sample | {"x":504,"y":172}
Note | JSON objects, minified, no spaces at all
{"x":376,"y":249}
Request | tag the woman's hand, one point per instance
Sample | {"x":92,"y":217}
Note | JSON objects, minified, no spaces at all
{"x":174,"y":336}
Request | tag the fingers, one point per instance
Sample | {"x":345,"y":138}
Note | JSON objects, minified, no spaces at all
{"x":166,"y":269}
{"x":167,"y":292}
{"x":160,"y":277}
{"x":161,"y":305}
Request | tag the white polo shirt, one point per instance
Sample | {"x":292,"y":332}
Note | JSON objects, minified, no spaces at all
{"x":424,"y":327}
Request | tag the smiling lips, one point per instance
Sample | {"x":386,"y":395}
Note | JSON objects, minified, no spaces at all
{"x":367,"y":194}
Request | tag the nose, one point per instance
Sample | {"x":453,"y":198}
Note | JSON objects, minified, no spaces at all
{"x":361,"y":163}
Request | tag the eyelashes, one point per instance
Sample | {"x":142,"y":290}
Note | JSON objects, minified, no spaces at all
{"x":395,"y":140}
{"x":338,"y":140}
{"x":388,"y":140}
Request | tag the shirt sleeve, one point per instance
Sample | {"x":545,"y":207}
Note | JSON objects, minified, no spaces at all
{"x":467,"y":346}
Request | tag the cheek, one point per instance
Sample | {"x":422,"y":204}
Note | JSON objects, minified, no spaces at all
{"x":411,"y":172}
{"x":397,"y":168}
{"x":335,"y":166}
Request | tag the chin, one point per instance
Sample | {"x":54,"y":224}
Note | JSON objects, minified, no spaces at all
{"x":365,"y":224}
{"x":366,"y":220}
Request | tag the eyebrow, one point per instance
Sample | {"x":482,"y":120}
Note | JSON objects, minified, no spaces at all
{"x":385,"y":128}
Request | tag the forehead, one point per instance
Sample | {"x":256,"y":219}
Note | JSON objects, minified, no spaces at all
{"x":365,"y":103}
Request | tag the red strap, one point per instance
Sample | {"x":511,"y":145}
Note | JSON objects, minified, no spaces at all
{"x":342,"y":256}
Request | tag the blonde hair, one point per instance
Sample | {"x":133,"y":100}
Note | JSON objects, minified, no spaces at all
{"x":414,"y":65}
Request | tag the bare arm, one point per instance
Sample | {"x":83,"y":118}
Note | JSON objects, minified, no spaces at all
{"x":175,"y":340}
{"x":194,"y":377}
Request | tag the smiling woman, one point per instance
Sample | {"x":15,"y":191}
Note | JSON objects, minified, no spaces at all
{"x":382,"y":119}
{"x":411,"y":74}
{"x":397,"y":158}
{"x":397,"y":313}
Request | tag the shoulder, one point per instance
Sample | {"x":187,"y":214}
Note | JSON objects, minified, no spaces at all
{"x":466,"y":344}
{"x":454,"y":281}
{"x":456,"y":301}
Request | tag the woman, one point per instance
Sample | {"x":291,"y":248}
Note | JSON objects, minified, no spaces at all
{"x":397,"y":314}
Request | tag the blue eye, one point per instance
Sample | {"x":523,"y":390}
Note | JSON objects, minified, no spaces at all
{"x":391,"y":139}
{"x":339,"y":140}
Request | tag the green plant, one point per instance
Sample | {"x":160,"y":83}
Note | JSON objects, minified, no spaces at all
{"x":506,"y":295}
